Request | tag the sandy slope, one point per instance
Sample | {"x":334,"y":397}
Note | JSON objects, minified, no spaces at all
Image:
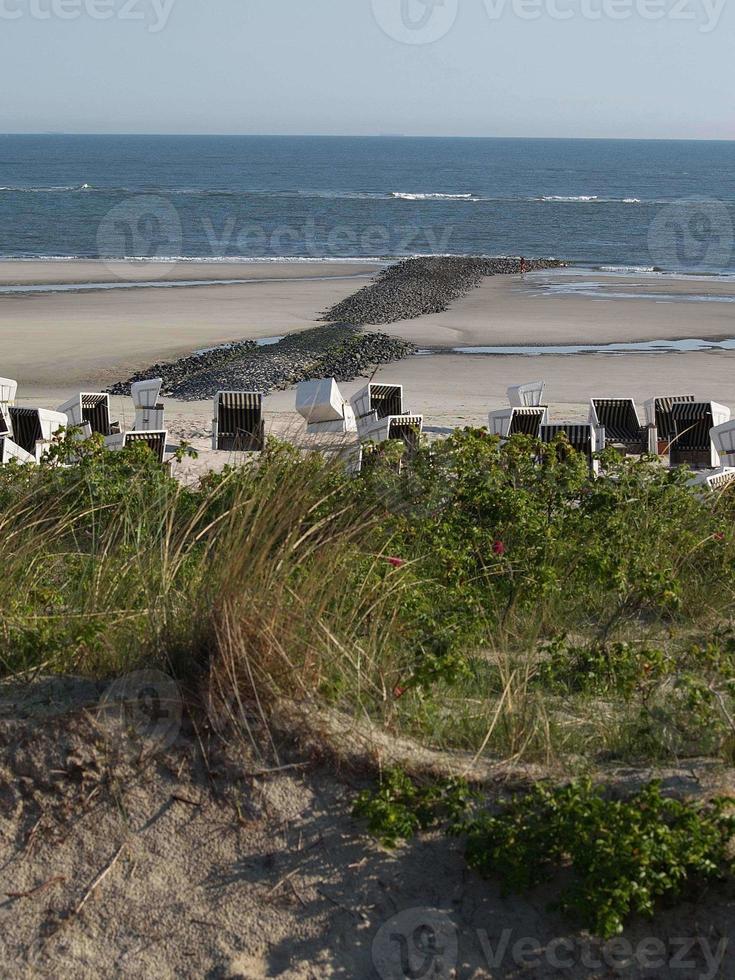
{"x":219,"y":870}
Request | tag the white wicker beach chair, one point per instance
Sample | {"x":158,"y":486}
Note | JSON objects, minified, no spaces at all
{"x":379,"y":415}
{"x":527,"y":395}
{"x":618,"y":424}
{"x":34,"y":428}
{"x":10,"y":451}
{"x":507,"y":422}
{"x":324,"y":408}
{"x":723,"y":438}
{"x":238,"y":424}
{"x":149,"y":410}
{"x":156,"y":441}
{"x":92,"y":407}
{"x":8,"y":391}
{"x":714,"y":480}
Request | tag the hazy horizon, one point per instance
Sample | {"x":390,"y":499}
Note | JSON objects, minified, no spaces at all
{"x":571,"y":69}
{"x":407,"y":136}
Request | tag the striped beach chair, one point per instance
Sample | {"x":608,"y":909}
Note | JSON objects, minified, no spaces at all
{"x":156,"y":441}
{"x":692,"y":443}
{"x":92,"y":408}
{"x":10,"y":451}
{"x":238,"y":424}
{"x":34,"y":428}
{"x":658,"y":417}
{"x":507,"y":422}
{"x":581,"y":437}
{"x":618,"y":424}
{"x":379,"y":415}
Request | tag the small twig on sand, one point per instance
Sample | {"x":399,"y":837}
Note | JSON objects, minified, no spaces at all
{"x":98,"y":880}
{"x":38,"y":889}
{"x":185,"y":799}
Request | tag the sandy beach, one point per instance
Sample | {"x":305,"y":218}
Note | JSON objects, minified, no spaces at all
{"x":58,"y":342}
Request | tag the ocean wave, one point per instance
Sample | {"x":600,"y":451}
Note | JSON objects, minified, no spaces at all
{"x":588,"y":199}
{"x":46,"y":190}
{"x":629,"y":268}
{"x":405,"y":196}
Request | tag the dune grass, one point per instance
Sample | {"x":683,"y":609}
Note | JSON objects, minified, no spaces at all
{"x":476,"y":598}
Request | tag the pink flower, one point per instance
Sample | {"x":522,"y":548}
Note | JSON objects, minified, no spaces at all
{"x":399,"y":691}
{"x":396,"y":562}
{"x":498,"y":548}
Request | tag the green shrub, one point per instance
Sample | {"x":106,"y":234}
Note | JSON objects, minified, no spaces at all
{"x":400,"y":807}
{"x":622,"y":856}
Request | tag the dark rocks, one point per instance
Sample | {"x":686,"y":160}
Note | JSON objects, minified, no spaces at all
{"x":427,"y":285}
{"x":334,"y":350}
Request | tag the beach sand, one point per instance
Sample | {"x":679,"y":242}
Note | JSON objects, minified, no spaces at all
{"x":57,"y":343}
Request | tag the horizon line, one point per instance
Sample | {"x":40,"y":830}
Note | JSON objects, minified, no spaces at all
{"x":196,"y":135}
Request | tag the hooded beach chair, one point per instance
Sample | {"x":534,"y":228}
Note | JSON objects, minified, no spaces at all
{"x":10,"y":451}
{"x":658,"y":417}
{"x":8,"y":391}
{"x":692,"y":443}
{"x":324,"y":408}
{"x":723,"y":437}
{"x":149,"y":410}
{"x":507,"y":422}
{"x":528,"y":395}
{"x":238,"y":424}
{"x":379,"y":415}
{"x":34,"y":428}
{"x":617,"y":422}
{"x":92,"y":408}
{"x":156,"y":441}
{"x":582,"y":438}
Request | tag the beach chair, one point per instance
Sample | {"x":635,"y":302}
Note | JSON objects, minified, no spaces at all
{"x":617,"y":422}
{"x":238,"y":424}
{"x":149,"y":410}
{"x":8,"y":391}
{"x":528,"y":395}
{"x":660,"y":422}
{"x":714,"y":480}
{"x":507,"y":422}
{"x":156,"y":441}
{"x":582,"y":438}
{"x":92,"y":408}
{"x":10,"y":451}
{"x":34,"y":428}
{"x":324,"y":408}
{"x":692,"y":443}
{"x":379,"y":415}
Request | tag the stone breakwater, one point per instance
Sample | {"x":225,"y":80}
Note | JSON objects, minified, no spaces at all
{"x":334,"y":350}
{"x":427,"y":285}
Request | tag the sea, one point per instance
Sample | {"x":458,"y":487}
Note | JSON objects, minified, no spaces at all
{"x":611,"y":205}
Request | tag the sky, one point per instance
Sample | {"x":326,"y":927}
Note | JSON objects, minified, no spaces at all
{"x":545,"y":68}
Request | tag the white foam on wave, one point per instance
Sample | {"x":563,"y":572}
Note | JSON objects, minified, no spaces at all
{"x":586,"y":199}
{"x":406,"y":196}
